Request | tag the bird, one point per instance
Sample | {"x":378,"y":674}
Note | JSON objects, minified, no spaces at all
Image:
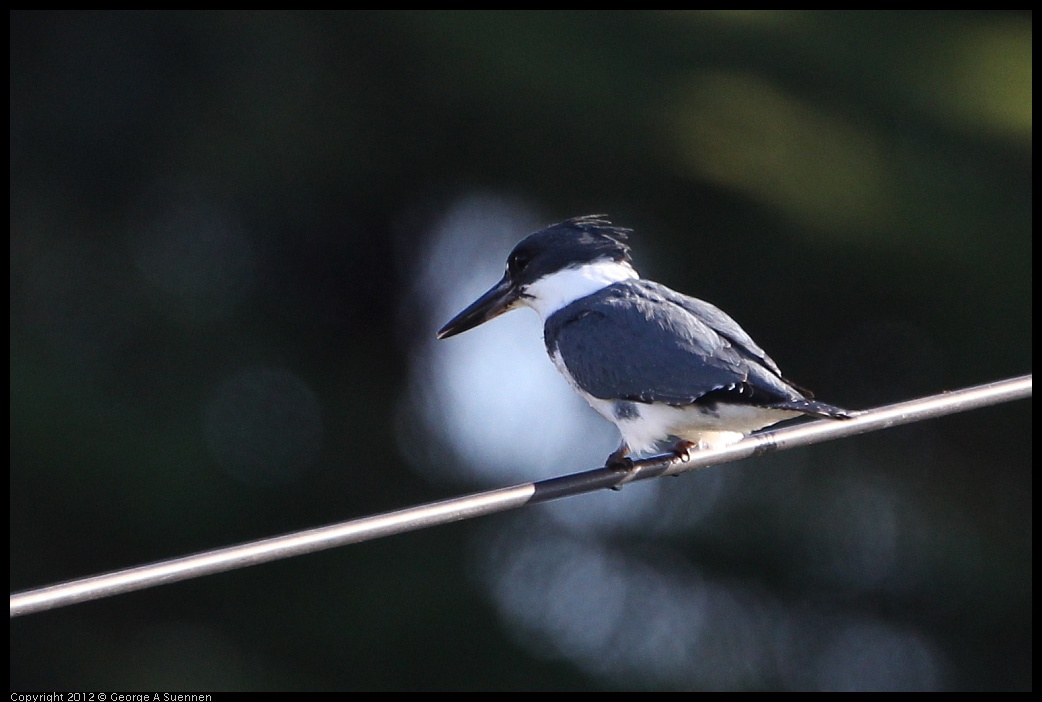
{"x":663,"y":367}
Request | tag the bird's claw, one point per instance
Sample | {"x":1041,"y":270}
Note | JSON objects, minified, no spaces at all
{"x":620,"y":462}
{"x":682,"y":450}
{"x":619,"y":459}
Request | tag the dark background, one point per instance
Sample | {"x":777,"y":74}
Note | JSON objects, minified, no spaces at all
{"x":217,"y":220}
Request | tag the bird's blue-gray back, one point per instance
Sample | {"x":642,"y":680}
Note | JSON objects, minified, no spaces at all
{"x":638,"y":340}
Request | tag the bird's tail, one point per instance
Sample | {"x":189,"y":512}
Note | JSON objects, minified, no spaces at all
{"x":815,"y":408}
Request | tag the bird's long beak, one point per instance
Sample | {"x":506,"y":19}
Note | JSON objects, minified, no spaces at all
{"x":499,"y":299}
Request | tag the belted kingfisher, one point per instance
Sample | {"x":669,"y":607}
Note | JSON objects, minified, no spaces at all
{"x":660,"y":365}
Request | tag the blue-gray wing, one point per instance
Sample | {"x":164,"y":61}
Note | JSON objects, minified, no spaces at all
{"x":640,"y":341}
{"x":717,"y":320}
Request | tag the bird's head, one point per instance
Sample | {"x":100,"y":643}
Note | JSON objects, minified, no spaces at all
{"x":552,"y":268}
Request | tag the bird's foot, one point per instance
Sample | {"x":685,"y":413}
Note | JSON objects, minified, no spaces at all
{"x":619,"y":459}
{"x":620,"y":462}
{"x":682,"y":450}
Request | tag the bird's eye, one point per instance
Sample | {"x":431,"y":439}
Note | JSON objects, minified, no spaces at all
{"x":518,"y":262}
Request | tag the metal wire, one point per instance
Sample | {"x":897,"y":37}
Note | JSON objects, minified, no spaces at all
{"x":466,"y":507}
